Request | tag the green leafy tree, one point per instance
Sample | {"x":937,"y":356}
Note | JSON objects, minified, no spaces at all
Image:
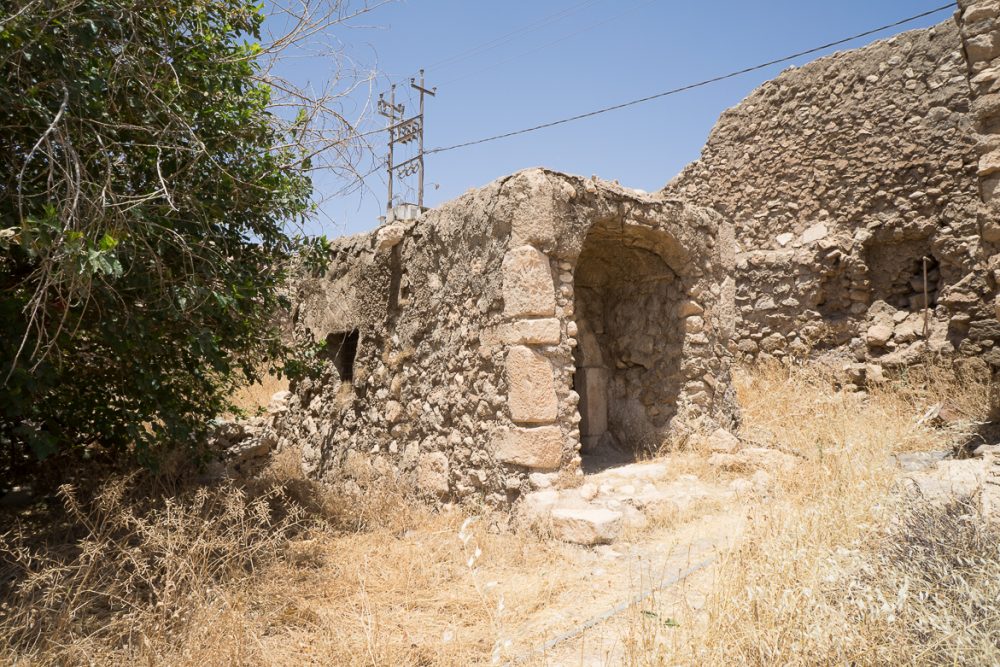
{"x":145,"y":188}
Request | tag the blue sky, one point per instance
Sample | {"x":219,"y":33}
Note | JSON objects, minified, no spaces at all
{"x":568,"y":57}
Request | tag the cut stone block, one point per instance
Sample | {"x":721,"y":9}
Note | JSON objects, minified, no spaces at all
{"x":538,"y":448}
{"x":532,"y":393}
{"x":586,"y":526}
{"x":592,"y":385}
{"x":539,"y":202}
{"x":537,"y":506}
{"x":528,"y":289}
{"x":989,"y":163}
{"x":533,"y":332}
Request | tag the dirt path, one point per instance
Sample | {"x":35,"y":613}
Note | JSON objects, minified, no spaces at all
{"x":656,"y":576}
{"x":426,"y":596}
{"x":654,"y":569}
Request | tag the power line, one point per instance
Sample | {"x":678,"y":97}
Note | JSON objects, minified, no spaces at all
{"x":692,"y":86}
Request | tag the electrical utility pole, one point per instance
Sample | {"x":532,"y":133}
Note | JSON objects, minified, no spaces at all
{"x":402,"y":132}
{"x":393,"y":112}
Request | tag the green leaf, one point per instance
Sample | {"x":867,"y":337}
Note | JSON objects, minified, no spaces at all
{"x":108,"y":242}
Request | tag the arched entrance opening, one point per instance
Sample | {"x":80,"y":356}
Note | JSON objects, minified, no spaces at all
{"x":630,"y":341}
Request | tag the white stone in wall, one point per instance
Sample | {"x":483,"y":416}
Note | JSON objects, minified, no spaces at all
{"x":527,"y":283}
{"x":982,"y":48}
{"x":532,"y":394}
{"x":989,"y":163}
{"x":538,"y":448}
{"x":388,"y":236}
{"x":814,"y":233}
{"x":981,"y":12}
{"x":689,"y":307}
{"x":393,"y":411}
{"x":694,"y":324}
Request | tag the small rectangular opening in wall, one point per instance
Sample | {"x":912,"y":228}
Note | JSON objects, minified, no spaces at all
{"x":342,"y":348}
{"x":395,"y":280}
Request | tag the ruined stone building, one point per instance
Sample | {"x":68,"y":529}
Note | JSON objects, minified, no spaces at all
{"x":501,"y":333}
{"x":845,"y":208}
{"x":846,"y":179}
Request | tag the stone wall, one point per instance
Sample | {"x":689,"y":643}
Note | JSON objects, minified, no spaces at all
{"x":852,"y":183}
{"x":465,"y":348}
{"x":980,"y":27}
{"x":979,"y":22}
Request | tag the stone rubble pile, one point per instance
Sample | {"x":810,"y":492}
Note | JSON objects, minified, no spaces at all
{"x":976,"y":478}
{"x":246,"y":442}
{"x":638,"y":495}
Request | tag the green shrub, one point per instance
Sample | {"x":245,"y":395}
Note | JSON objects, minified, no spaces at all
{"x":144,"y":189}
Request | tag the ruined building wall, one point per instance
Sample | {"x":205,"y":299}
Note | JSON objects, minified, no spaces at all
{"x":841,"y":177}
{"x":497,"y":336}
{"x":979,"y":21}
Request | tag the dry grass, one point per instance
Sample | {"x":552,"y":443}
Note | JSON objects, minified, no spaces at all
{"x":128,"y":575}
{"x":254,"y":397}
{"x":281,"y":571}
{"x":829,"y":572}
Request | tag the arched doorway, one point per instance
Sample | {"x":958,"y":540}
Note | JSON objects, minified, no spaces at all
{"x":630,"y":340}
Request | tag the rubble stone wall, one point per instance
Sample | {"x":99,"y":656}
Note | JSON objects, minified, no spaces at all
{"x":979,"y":22}
{"x":852,"y":183}
{"x":464,"y":348}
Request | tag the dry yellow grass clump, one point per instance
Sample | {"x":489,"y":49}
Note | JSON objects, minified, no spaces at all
{"x":831,"y":570}
{"x":277,"y":571}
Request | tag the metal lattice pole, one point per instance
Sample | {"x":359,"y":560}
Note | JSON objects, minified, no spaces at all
{"x":403,"y":131}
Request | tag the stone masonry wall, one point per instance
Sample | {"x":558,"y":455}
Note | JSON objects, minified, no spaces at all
{"x":465,"y":376}
{"x":979,"y":22}
{"x":847,"y":179}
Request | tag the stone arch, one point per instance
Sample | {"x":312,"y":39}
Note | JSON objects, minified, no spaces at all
{"x":628,"y":292}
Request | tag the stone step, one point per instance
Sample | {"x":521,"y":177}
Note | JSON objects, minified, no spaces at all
{"x":631,"y":496}
{"x":588,"y":527}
